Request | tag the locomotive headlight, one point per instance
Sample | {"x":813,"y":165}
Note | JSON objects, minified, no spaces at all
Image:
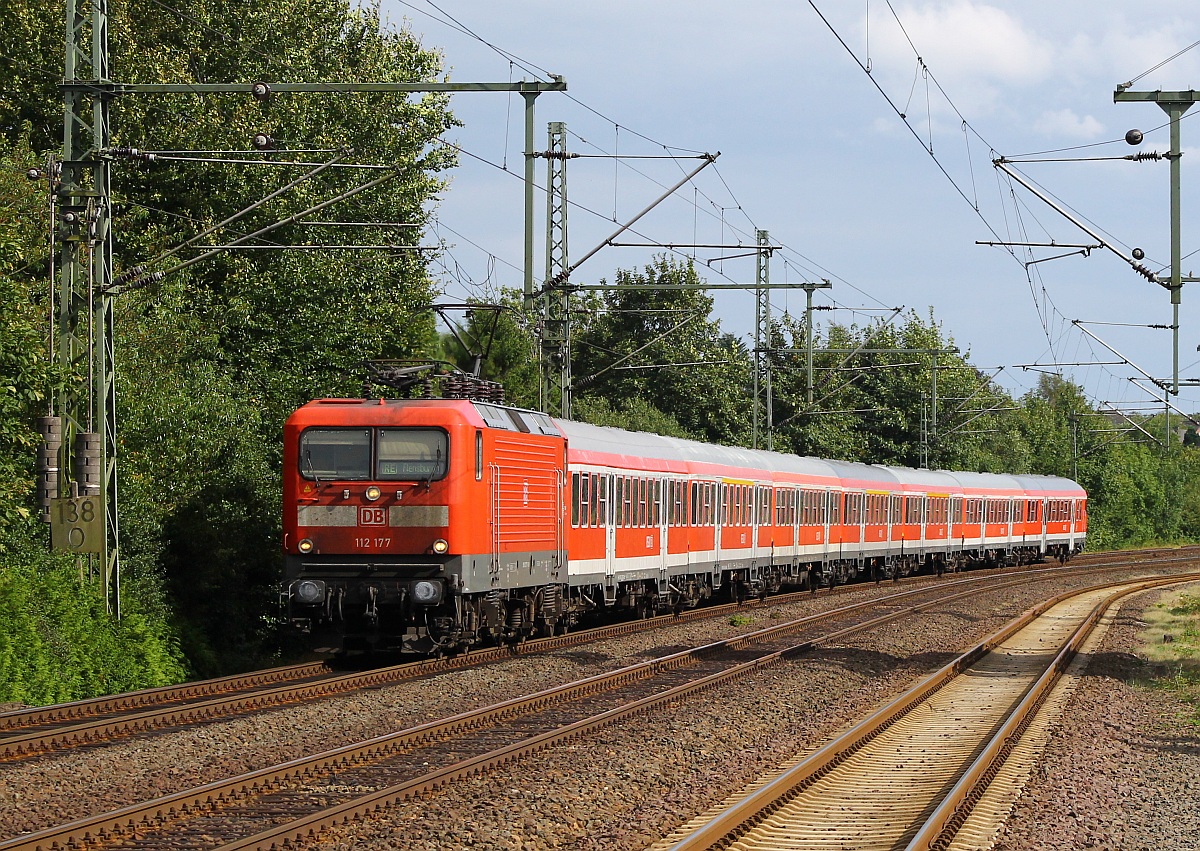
{"x":426,"y":593}
{"x":305,"y":546}
{"x":309,"y":591}
{"x":440,"y":546}
{"x":373,"y":493}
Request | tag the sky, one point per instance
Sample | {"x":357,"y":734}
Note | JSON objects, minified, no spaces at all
{"x":861,"y":137}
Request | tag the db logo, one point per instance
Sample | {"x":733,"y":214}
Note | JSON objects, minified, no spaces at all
{"x":369,"y":515}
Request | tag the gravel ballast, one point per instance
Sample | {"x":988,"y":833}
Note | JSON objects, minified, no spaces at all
{"x":626,"y":787}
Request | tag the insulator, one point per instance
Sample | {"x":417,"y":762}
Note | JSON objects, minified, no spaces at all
{"x":128,"y":275}
{"x":262,"y":142}
{"x":1144,"y":272}
{"x":1142,"y":156}
{"x":70,"y":217}
{"x":131,"y":153}
{"x":34,"y":174}
{"x":87,"y":462}
{"x":142,"y":280}
{"x":260,"y":90}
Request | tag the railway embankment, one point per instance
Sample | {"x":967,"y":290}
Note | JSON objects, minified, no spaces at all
{"x":1123,"y":768}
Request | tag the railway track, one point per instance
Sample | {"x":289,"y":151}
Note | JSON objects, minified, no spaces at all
{"x":287,"y":803}
{"x":910,"y":775}
{"x":29,"y":733}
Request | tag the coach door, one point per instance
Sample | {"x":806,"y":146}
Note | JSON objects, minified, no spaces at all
{"x":663,"y":508}
{"x":1074,"y":503}
{"x":1043,"y":512}
{"x":720,"y":494}
{"x":610,"y":540}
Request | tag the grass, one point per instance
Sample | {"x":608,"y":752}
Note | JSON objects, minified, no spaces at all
{"x":1171,"y":640}
{"x":740,"y":620}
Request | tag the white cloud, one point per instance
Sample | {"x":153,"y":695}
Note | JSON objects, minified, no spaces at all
{"x":1064,"y":123}
{"x":962,"y":40}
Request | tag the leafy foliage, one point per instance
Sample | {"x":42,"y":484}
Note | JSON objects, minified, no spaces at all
{"x":649,"y":342}
{"x":57,"y":642}
{"x":214,"y":356}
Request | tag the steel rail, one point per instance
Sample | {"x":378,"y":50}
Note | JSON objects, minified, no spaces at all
{"x":944,"y":822}
{"x":745,"y":815}
{"x":307,"y":827}
{"x":45,"y":729}
{"x":143,"y":817}
{"x":178,"y":705}
{"x":18,"y":719}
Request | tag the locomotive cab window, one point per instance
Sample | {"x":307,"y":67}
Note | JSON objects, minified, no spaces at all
{"x":335,"y":454}
{"x":412,"y":453}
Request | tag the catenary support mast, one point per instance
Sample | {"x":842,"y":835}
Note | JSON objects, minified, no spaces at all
{"x":78,"y":463}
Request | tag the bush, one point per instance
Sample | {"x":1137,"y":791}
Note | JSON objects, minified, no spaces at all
{"x":57,"y":642}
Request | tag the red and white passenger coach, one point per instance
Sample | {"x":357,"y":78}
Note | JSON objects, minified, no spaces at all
{"x":444,"y":523}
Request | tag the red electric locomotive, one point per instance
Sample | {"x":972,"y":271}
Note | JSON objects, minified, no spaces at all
{"x":443,"y":523}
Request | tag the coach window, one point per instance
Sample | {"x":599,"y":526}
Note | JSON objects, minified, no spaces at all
{"x":574,"y":499}
{"x":478,"y":455}
{"x":585,"y":499}
{"x":600,"y":503}
{"x":412,"y":453}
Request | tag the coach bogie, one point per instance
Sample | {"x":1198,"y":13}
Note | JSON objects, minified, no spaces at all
{"x":687,"y":592}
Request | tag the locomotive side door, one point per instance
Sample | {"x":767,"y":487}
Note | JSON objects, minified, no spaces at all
{"x":494,"y":517}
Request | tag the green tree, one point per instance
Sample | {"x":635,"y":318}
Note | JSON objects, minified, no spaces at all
{"x":500,"y":336}
{"x":25,"y":370}
{"x":661,"y":345}
{"x":213,"y":357}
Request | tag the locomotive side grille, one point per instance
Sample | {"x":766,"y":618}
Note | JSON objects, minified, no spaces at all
{"x":527,"y":496}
